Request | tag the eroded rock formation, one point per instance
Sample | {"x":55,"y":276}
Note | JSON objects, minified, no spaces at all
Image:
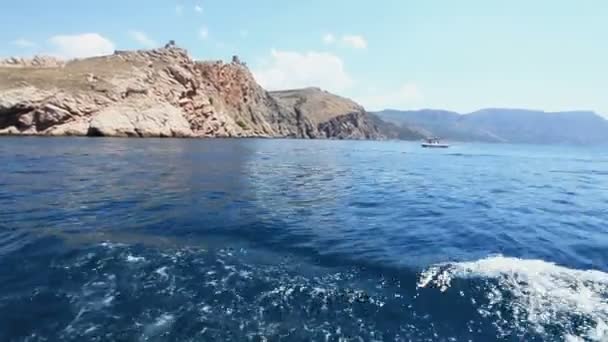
{"x":164,"y":93}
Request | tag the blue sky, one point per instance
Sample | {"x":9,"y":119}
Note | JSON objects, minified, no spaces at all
{"x":457,"y":55}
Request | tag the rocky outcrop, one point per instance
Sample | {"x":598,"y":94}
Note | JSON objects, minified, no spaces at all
{"x":71,"y":128}
{"x":36,"y":62}
{"x":133,"y":119}
{"x":350,"y":126}
{"x":319,"y":114}
{"x":164,"y":93}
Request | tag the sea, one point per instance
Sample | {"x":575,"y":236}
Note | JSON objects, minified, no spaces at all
{"x":301,"y":240}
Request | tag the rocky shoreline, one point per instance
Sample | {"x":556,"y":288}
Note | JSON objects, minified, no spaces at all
{"x":165,"y":93}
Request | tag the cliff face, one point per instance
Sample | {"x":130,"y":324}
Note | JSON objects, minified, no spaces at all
{"x":319,"y":114}
{"x":165,"y":93}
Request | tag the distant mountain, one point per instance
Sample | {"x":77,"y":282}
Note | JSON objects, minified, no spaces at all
{"x":506,"y":125}
{"x":397,"y":131}
{"x":441,"y":123}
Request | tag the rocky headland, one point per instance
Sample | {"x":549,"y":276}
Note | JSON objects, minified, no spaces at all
{"x":165,"y":93}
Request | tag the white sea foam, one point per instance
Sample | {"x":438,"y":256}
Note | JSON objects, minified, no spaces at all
{"x":161,"y":325}
{"x":90,"y":329}
{"x":538,"y":293}
{"x":134,"y":259}
{"x":162,"y":271}
{"x":112,"y":245}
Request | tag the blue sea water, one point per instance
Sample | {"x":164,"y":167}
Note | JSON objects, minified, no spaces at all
{"x":293,"y":240}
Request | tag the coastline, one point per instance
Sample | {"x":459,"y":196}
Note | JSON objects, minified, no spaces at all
{"x":165,"y":93}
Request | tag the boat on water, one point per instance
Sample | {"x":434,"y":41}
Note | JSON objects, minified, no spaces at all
{"x":434,"y":143}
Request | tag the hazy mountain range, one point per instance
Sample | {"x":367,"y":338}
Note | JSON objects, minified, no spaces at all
{"x":505,"y":125}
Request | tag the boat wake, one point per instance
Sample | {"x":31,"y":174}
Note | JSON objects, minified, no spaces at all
{"x":530,"y":296}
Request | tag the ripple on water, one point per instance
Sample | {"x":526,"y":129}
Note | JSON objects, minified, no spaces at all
{"x":122,"y":291}
{"x":342,"y":227}
{"x":129,"y":292}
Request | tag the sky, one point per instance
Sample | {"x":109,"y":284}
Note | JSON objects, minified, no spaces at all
{"x":402,"y":54}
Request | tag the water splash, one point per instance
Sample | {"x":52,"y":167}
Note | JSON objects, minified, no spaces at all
{"x":534,"y":294}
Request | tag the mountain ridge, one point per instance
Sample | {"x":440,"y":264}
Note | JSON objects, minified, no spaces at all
{"x":507,"y":125}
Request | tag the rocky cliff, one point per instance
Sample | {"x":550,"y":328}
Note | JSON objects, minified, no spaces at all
{"x":164,"y":93}
{"x":319,"y":114}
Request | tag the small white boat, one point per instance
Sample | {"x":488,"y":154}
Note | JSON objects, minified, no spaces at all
{"x":434,"y":143}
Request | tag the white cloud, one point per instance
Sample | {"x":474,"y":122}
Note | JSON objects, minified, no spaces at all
{"x":290,"y":69}
{"x":179,"y":9}
{"x":354,"y":41}
{"x":81,"y":45}
{"x":23,"y":43}
{"x":406,"y":96}
{"x":328,"y":39}
{"x":198,"y":9}
{"x":203,"y":33}
{"x":143,"y":39}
